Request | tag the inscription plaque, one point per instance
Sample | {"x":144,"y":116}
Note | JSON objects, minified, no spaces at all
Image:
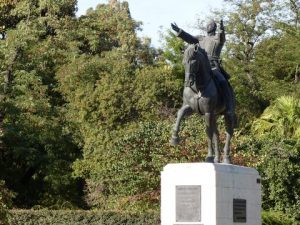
{"x":188,"y":203}
{"x":239,"y":211}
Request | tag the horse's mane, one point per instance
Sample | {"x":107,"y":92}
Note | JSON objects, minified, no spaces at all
{"x":202,"y":69}
{"x":192,"y":51}
{"x":188,"y":53}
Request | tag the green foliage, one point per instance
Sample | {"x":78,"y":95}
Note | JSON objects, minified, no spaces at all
{"x":248,"y":103}
{"x":282,"y":118}
{"x":99,"y":90}
{"x":277,"y":145}
{"x":134,"y":181}
{"x":5,"y":203}
{"x":7,"y":20}
{"x":280,"y":171}
{"x":276,"y":218}
{"x":107,"y":87}
{"x":106,"y":28}
{"x":86,"y":105}
{"x":260,"y":53}
{"x":247,"y":24}
{"x":80,"y":217}
{"x":273,"y":148}
{"x":173,"y":52}
{"x":156,"y":90}
{"x":282,"y":52}
{"x":37,"y":150}
{"x":277,"y":160}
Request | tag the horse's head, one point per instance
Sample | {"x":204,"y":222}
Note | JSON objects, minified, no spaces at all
{"x":197,"y":68}
{"x":191,"y":60}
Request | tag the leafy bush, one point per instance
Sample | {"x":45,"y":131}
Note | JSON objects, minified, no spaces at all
{"x":280,"y":171}
{"x":276,"y":218}
{"x":125,"y":173}
{"x":281,"y":118}
{"x":80,"y":217}
{"x":5,"y":203}
{"x":277,"y":159}
{"x":276,"y":135}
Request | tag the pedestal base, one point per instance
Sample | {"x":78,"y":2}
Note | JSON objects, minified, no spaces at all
{"x":210,"y":194}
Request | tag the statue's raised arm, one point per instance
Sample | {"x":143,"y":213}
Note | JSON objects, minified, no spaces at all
{"x":222,"y":32}
{"x":184,"y":35}
{"x":222,"y":25}
{"x":175,"y":27}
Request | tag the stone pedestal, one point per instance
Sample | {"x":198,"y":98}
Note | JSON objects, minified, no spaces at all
{"x":210,"y":194}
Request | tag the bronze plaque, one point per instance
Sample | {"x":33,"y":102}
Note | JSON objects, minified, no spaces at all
{"x":188,"y":203}
{"x":239,"y":211}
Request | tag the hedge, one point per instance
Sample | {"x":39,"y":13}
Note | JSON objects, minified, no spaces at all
{"x":94,"y":217}
{"x":81,"y":217}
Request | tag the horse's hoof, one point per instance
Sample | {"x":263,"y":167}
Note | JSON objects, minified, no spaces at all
{"x":217,"y":159}
{"x":226,"y":160}
{"x":209,"y":159}
{"x":174,"y":140}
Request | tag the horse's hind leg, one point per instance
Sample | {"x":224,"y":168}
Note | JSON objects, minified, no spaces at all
{"x":229,"y":125}
{"x":212,"y":138}
{"x":185,"y":110}
{"x":216,"y":142}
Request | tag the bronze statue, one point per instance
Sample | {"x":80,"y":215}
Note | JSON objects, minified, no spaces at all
{"x":206,"y":90}
{"x":213,"y":44}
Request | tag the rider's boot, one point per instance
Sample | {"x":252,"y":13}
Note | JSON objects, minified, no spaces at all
{"x":229,"y":101}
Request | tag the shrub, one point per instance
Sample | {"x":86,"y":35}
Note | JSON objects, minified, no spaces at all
{"x":5,"y":202}
{"x":81,"y":217}
{"x":276,"y":218}
{"x":125,"y":173}
{"x":280,"y":171}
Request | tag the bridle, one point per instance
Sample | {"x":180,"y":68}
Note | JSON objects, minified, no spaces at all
{"x":191,"y":77}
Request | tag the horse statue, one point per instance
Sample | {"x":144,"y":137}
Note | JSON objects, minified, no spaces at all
{"x":201,"y":95}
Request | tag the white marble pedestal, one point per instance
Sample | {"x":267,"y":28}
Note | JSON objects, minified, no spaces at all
{"x":210,"y":194}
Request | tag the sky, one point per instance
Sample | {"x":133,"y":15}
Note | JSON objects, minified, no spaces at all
{"x":157,"y":15}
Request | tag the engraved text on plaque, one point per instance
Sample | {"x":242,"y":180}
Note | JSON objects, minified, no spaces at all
{"x":188,"y":203}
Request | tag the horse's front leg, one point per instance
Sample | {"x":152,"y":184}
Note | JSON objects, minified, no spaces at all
{"x":216,"y":140}
{"x":182,"y":112}
{"x":229,"y":125}
{"x":208,"y":117}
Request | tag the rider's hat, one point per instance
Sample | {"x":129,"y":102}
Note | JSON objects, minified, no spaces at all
{"x":211,"y":26}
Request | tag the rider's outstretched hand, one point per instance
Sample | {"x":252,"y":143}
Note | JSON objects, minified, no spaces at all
{"x":175,"y":27}
{"x":221,"y":25}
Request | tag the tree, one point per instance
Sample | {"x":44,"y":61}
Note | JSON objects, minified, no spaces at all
{"x":112,"y":83}
{"x":173,"y":49}
{"x":281,"y":52}
{"x":247,"y":23}
{"x":7,"y":20}
{"x":157,"y":92}
{"x":38,"y":150}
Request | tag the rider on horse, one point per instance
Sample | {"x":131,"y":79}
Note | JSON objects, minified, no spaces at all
{"x":213,"y":44}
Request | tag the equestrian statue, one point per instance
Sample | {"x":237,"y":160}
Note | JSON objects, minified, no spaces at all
{"x":207,"y":90}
